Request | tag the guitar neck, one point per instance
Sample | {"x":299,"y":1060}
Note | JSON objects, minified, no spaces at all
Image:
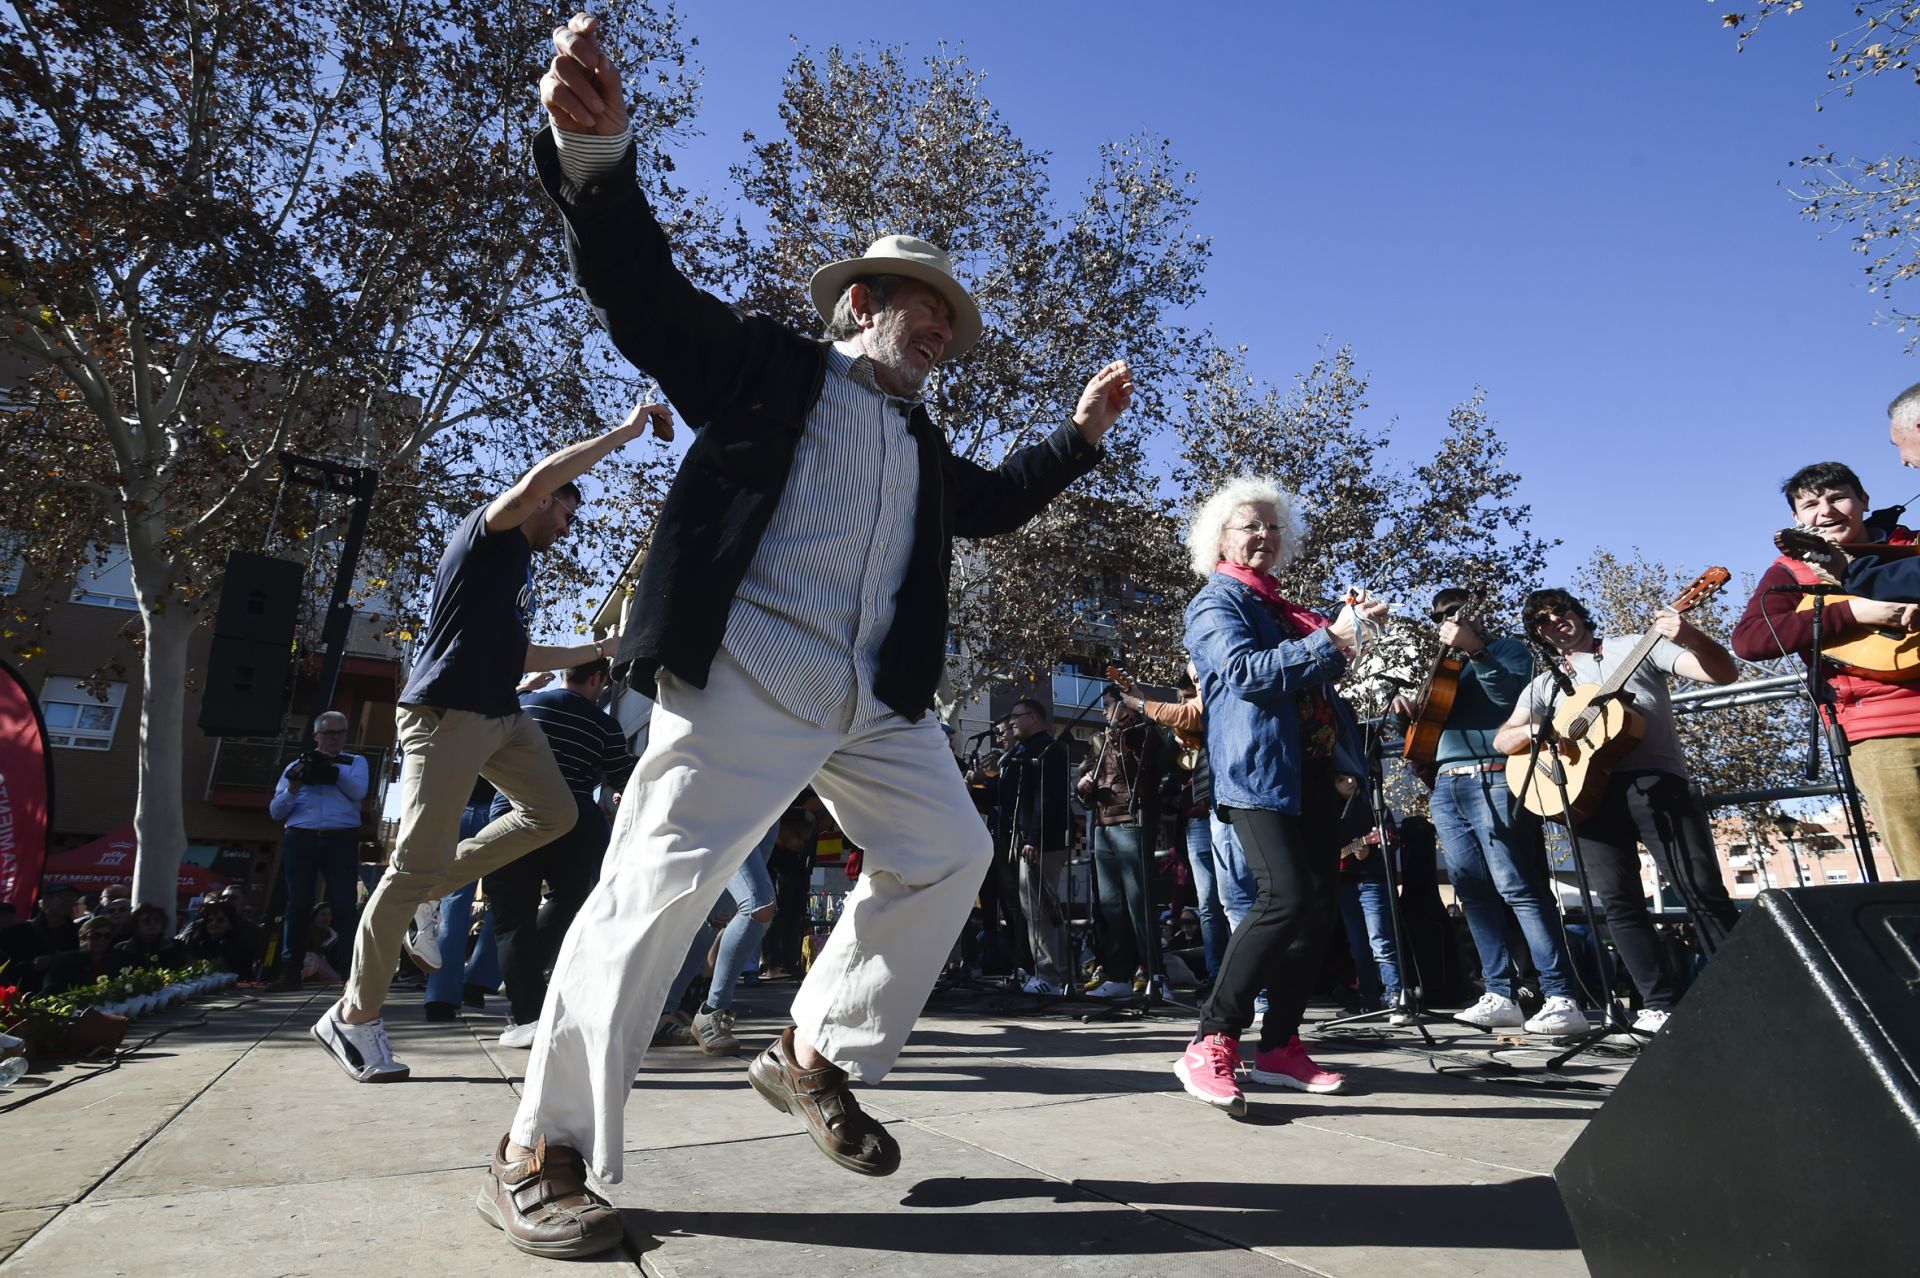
{"x":1618,"y":679}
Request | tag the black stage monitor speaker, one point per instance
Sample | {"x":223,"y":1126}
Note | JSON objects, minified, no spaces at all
{"x":246,"y":689}
{"x":260,"y":599}
{"x":1773,"y":1127}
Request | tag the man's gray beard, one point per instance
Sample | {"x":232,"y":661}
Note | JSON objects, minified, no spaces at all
{"x":892,"y":355}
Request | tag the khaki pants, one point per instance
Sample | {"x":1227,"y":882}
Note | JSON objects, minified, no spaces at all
{"x":445,"y":751}
{"x":1887,"y":770}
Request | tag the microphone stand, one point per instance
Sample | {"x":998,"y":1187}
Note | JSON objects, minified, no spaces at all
{"x":1412,"y":992}
{"x":1826,"y":715}
{"x":1613,"y":1016}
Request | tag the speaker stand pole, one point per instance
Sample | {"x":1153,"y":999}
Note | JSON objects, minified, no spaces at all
{"x":359,"y":483}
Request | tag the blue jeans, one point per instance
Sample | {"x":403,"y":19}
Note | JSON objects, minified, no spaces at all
{"x":333,"y":855}
{"x":750,"y":884}
{"x":1369,"y":928}
{"x":1232,"y":878}
{"x":1213,"y":920}
{"x":1122,"y":889}
{"x":752,"y":891}
{"x":1492,"y":856}
{"x":456,"y":915}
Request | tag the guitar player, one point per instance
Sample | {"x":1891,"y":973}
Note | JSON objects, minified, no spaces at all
{"x":1647,"y":797}
{"x":1494,"y":853}
{"x":1880,"y":716}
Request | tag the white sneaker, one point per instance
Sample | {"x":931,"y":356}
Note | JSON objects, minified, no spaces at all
{"x":1559,"y":1016}
{"x":518,"y":1035}
{"x":1651,"y":1020}
{"x":1111,"y":989}
{"x":361,"y":1050}
{"x":423,"y":946}
{"x":1034,"y":985}
{"x":714,"y":1032}
{"x":1492,"y":1012}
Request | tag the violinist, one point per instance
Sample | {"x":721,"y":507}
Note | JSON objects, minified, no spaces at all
{"x":1493,"y":852}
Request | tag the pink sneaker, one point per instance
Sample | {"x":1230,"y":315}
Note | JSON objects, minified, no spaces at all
{"x":1290,"y":1066}
{"x":1206,"y":1070}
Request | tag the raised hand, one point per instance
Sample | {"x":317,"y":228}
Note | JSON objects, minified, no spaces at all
{"x":1106,"y":396}
{"x":581,"y":89}
{"x":644,"y":415}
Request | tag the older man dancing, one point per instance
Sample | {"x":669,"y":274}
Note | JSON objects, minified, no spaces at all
{"x":790,"y":619}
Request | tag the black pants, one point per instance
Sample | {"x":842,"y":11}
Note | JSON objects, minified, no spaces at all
{"x":529,"y":933}
{"x":1001,"y":917}
{"x":1295,"y":862}
{"x":791,"y":887}
{"x":1657,"y":809}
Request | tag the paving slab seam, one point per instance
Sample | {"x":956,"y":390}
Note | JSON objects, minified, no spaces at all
{"x":63,"y":1208}
{"x":1419,"y":1149}
{"x":193,"y":1191}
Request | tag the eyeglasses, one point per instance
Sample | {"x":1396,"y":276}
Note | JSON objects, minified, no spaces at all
{"x":1255,"y":528}
{"x":1443,"y":614}
{"x":1551,"y":612}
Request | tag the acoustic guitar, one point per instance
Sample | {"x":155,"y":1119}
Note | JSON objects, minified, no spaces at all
{"x":1887,"y":653}
{"x":1593,"y":728}
{"x":1436,"y":695}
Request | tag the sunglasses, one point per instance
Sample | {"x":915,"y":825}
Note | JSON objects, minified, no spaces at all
{"x":1551,"y":612}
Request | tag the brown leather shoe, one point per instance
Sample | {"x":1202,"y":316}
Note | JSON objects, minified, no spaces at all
{"x":543,"y":1204}
{"x":821,"y":1099}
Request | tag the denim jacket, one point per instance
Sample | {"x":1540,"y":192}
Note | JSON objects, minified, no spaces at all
{"x":1250,"y":677}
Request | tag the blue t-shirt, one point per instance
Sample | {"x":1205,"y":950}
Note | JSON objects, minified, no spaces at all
{"x":478,"y":624}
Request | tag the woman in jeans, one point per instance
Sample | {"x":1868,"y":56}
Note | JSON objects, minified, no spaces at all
{"x":1285,"y":762}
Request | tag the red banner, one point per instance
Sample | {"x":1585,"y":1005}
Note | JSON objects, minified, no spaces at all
{"x":26,"y":792}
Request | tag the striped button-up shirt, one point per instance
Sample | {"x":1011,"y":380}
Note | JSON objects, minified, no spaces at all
{"x":818,"y":598}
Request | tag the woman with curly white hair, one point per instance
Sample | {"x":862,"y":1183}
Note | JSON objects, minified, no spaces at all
{"x":1285,"y":757}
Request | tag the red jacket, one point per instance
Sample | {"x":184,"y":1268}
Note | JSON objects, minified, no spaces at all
{"x":1868,"y":708}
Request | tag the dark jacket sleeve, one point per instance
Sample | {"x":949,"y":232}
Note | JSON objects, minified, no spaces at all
{"x":989,"y":502}
{"x":1769,"y":615}
{"x":699,"y":348}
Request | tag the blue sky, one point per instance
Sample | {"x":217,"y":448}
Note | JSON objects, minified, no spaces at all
{"x":1580,"y":209}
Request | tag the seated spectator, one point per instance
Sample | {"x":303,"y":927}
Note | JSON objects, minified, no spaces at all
{"x":116,"y":906}
{"x":216,"y":937}
{"x":149,"y":946}
{"x":84,"y":966}
{"x":321,"y":940}
{"x":28,"y":948}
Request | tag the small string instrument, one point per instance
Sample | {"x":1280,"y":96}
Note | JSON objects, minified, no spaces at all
{"x":1593,"y":728}
{"x":1437,"y":694}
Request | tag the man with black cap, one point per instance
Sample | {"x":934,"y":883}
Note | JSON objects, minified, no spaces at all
{"x":790,"y":619}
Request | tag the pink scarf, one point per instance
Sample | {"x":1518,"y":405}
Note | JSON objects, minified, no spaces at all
{"x":1304,"y":620}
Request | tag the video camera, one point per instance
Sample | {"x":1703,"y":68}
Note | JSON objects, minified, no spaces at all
{"x":315,"y":768}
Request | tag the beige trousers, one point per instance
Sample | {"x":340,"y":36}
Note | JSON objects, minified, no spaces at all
{"x":1888,"y":772}
{"x":445,"y":751}
{"x":721,"y":764}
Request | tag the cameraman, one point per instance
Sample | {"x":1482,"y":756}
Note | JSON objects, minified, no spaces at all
{"x":318,"y":799}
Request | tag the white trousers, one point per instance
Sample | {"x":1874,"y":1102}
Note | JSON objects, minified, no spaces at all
{"x":722,"y":763}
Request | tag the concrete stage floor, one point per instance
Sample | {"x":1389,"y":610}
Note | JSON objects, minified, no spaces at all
{"x":232,"y":1146}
